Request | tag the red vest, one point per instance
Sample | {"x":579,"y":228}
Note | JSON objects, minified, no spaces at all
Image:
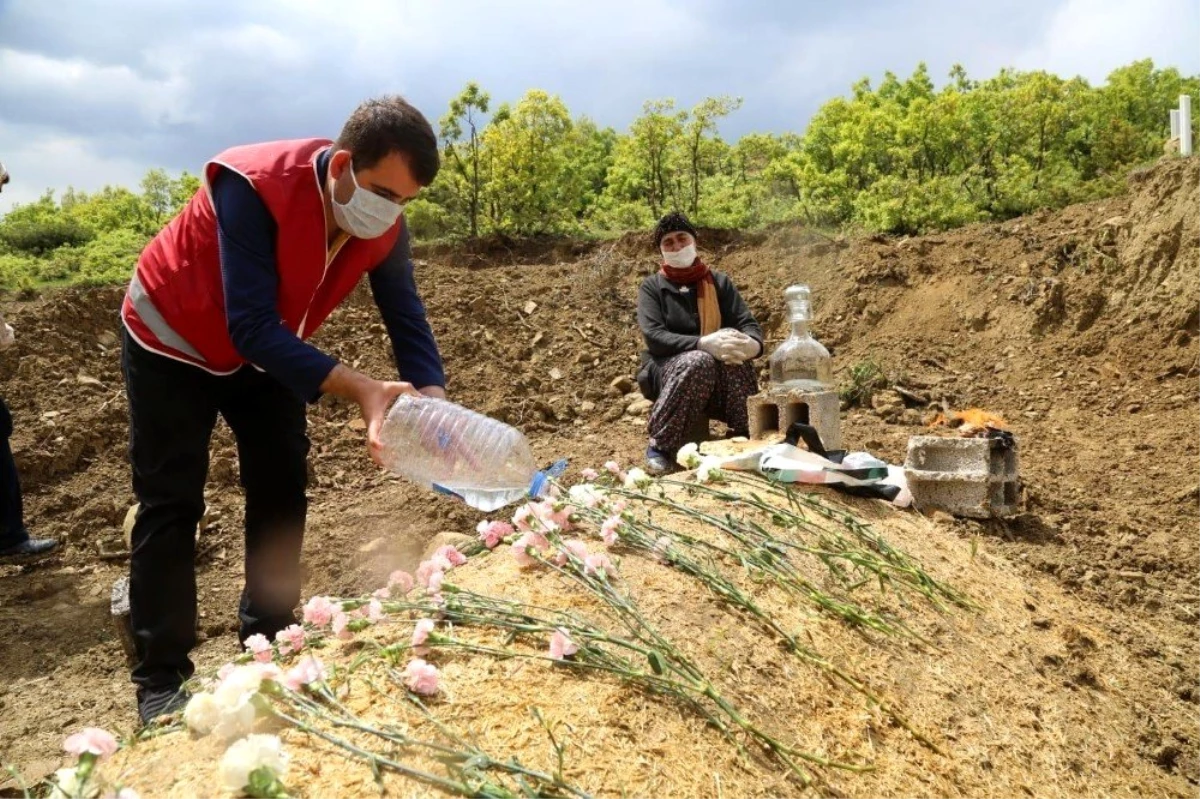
{"x":175,"y":305}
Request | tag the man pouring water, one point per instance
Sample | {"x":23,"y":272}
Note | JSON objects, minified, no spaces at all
{"x":216,"y":320}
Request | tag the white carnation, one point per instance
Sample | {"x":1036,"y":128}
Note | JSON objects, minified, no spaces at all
{"x":709,"y":471}
{"x":246,"y":756}
{"x":236,"y":719}
{"x":202,"y":713}
{"x":635,"y":478}
{"x":67,"y":786}
{"x":587,"y":495}
{"x":688,"y":456}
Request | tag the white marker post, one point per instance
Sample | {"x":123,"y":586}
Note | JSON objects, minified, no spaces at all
{"x":1185,"y":124}
{"x":1174,"y":123}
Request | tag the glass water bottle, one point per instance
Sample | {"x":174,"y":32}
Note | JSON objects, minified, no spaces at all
{"x":800,"y":362}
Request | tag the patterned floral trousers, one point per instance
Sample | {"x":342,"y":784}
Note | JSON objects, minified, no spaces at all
{"x":696,"y":383}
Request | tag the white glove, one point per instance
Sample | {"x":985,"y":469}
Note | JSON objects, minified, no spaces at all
{"x":719,"y":345}
{"x":7,"y":338}
{"x":744,"y":348}
{"x":730,"y":346}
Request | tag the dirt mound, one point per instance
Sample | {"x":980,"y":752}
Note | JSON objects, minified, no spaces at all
{"x":1080,"y":327}
{"x":1016,"y":725}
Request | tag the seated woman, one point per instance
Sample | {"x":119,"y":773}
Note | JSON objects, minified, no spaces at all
{"x":700,"y":339}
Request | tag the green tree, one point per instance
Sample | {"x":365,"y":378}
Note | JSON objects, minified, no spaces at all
{"x":531,"y":185}
{"x":463,"y":154}
{"x":704,"y":146}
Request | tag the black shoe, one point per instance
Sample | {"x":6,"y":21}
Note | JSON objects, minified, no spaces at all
{"x":658,"y":462}
{"x":29,"y":549}
{"x":154,"y":703}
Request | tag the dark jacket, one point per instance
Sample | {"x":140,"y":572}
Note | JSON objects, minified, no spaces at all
{"x":670,"y":321}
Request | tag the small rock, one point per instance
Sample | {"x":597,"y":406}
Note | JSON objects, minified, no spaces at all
{"x":530,"y":307}
{"x":621,"y":385}
{"x":357,"y":424}
{"x":107,"y":340}
{"x":1167,"y":756}
{"x":941,"y":517}
{"x":538,"y":338}
{"x":372,"y":545}
{"x":1191,"y":492}
{"x":456,"y":540}
{"x":556,"y":374}
{"x":1042,"y":623}
{"x":1138,"y":577}
{"x":586,"y":407}
{"x":639,"y":407}
{"x":87,"y":380}
{"x":977,"y":322}
{"x":1134,"y":407}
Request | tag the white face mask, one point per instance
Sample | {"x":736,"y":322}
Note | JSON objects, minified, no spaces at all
{"x":365,"y":215}
{"x":682,"y":258}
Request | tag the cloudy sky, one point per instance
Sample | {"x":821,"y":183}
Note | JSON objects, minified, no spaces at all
{"x":98,"y":92}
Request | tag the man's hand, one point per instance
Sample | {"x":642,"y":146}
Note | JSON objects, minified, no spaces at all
{"x":374,"y":397}
{"x":7,"y":336}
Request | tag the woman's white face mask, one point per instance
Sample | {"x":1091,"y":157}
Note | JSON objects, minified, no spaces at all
{"x":681,"y":258}
{"x":365,"y":215}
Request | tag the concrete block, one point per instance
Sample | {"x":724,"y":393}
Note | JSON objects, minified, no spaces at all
{"x":973,"y":477}
{"x":774,"y":413}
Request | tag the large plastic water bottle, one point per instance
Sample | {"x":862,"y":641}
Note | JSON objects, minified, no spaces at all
{"x":456,"y":451}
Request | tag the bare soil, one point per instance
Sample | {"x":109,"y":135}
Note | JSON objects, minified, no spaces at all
{"x":1080,"y":327}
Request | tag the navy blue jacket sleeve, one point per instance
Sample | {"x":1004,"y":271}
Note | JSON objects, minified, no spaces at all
{"x":395,"y":289}
{"x":246,"y":234}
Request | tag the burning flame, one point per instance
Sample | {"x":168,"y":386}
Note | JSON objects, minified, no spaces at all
{"x":973,"y":422}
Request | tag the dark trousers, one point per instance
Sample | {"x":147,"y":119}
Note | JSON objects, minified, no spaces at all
{"x":696,"y":383}
{"x":172,"y":410}
{"x":12,"y":515}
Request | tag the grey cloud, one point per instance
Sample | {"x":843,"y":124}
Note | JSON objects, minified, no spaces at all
{"x":159,"y":85}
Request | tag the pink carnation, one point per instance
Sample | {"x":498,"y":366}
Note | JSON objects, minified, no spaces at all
{"x":421,"y":634}
{"x":612,"y":467}
{"x":451,"y":554}
{"x":597,"y":563}
{"x":524,"y":517}
{"x":561,"y":645}
{"x":91,"y":741}
{"x":319,"y":611}
{"x":266,"y":671}
{"x":225,"y":671}
{"x":554,"y":517}
{"x":608,"y":530}
{"x":428,"y":568}
{"x":435,"y":583}
{"x":340,"y":623}
{"x":375,"y":610}
{"x":307,"y":671}
{"x":260,"y":647}
{"x":590,"y":474}
{"x":382,"y":593}
{"x":492,"y":533}
{"x":618,"y":507}
{"x":421,"y":677}
{"x":290,"y":639}
{"x":573,"y":546}
{"x":400,"y":579}
{"x":519,"y":550}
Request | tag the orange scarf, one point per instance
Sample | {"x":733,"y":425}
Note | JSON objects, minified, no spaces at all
{"x":698,"y":275}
